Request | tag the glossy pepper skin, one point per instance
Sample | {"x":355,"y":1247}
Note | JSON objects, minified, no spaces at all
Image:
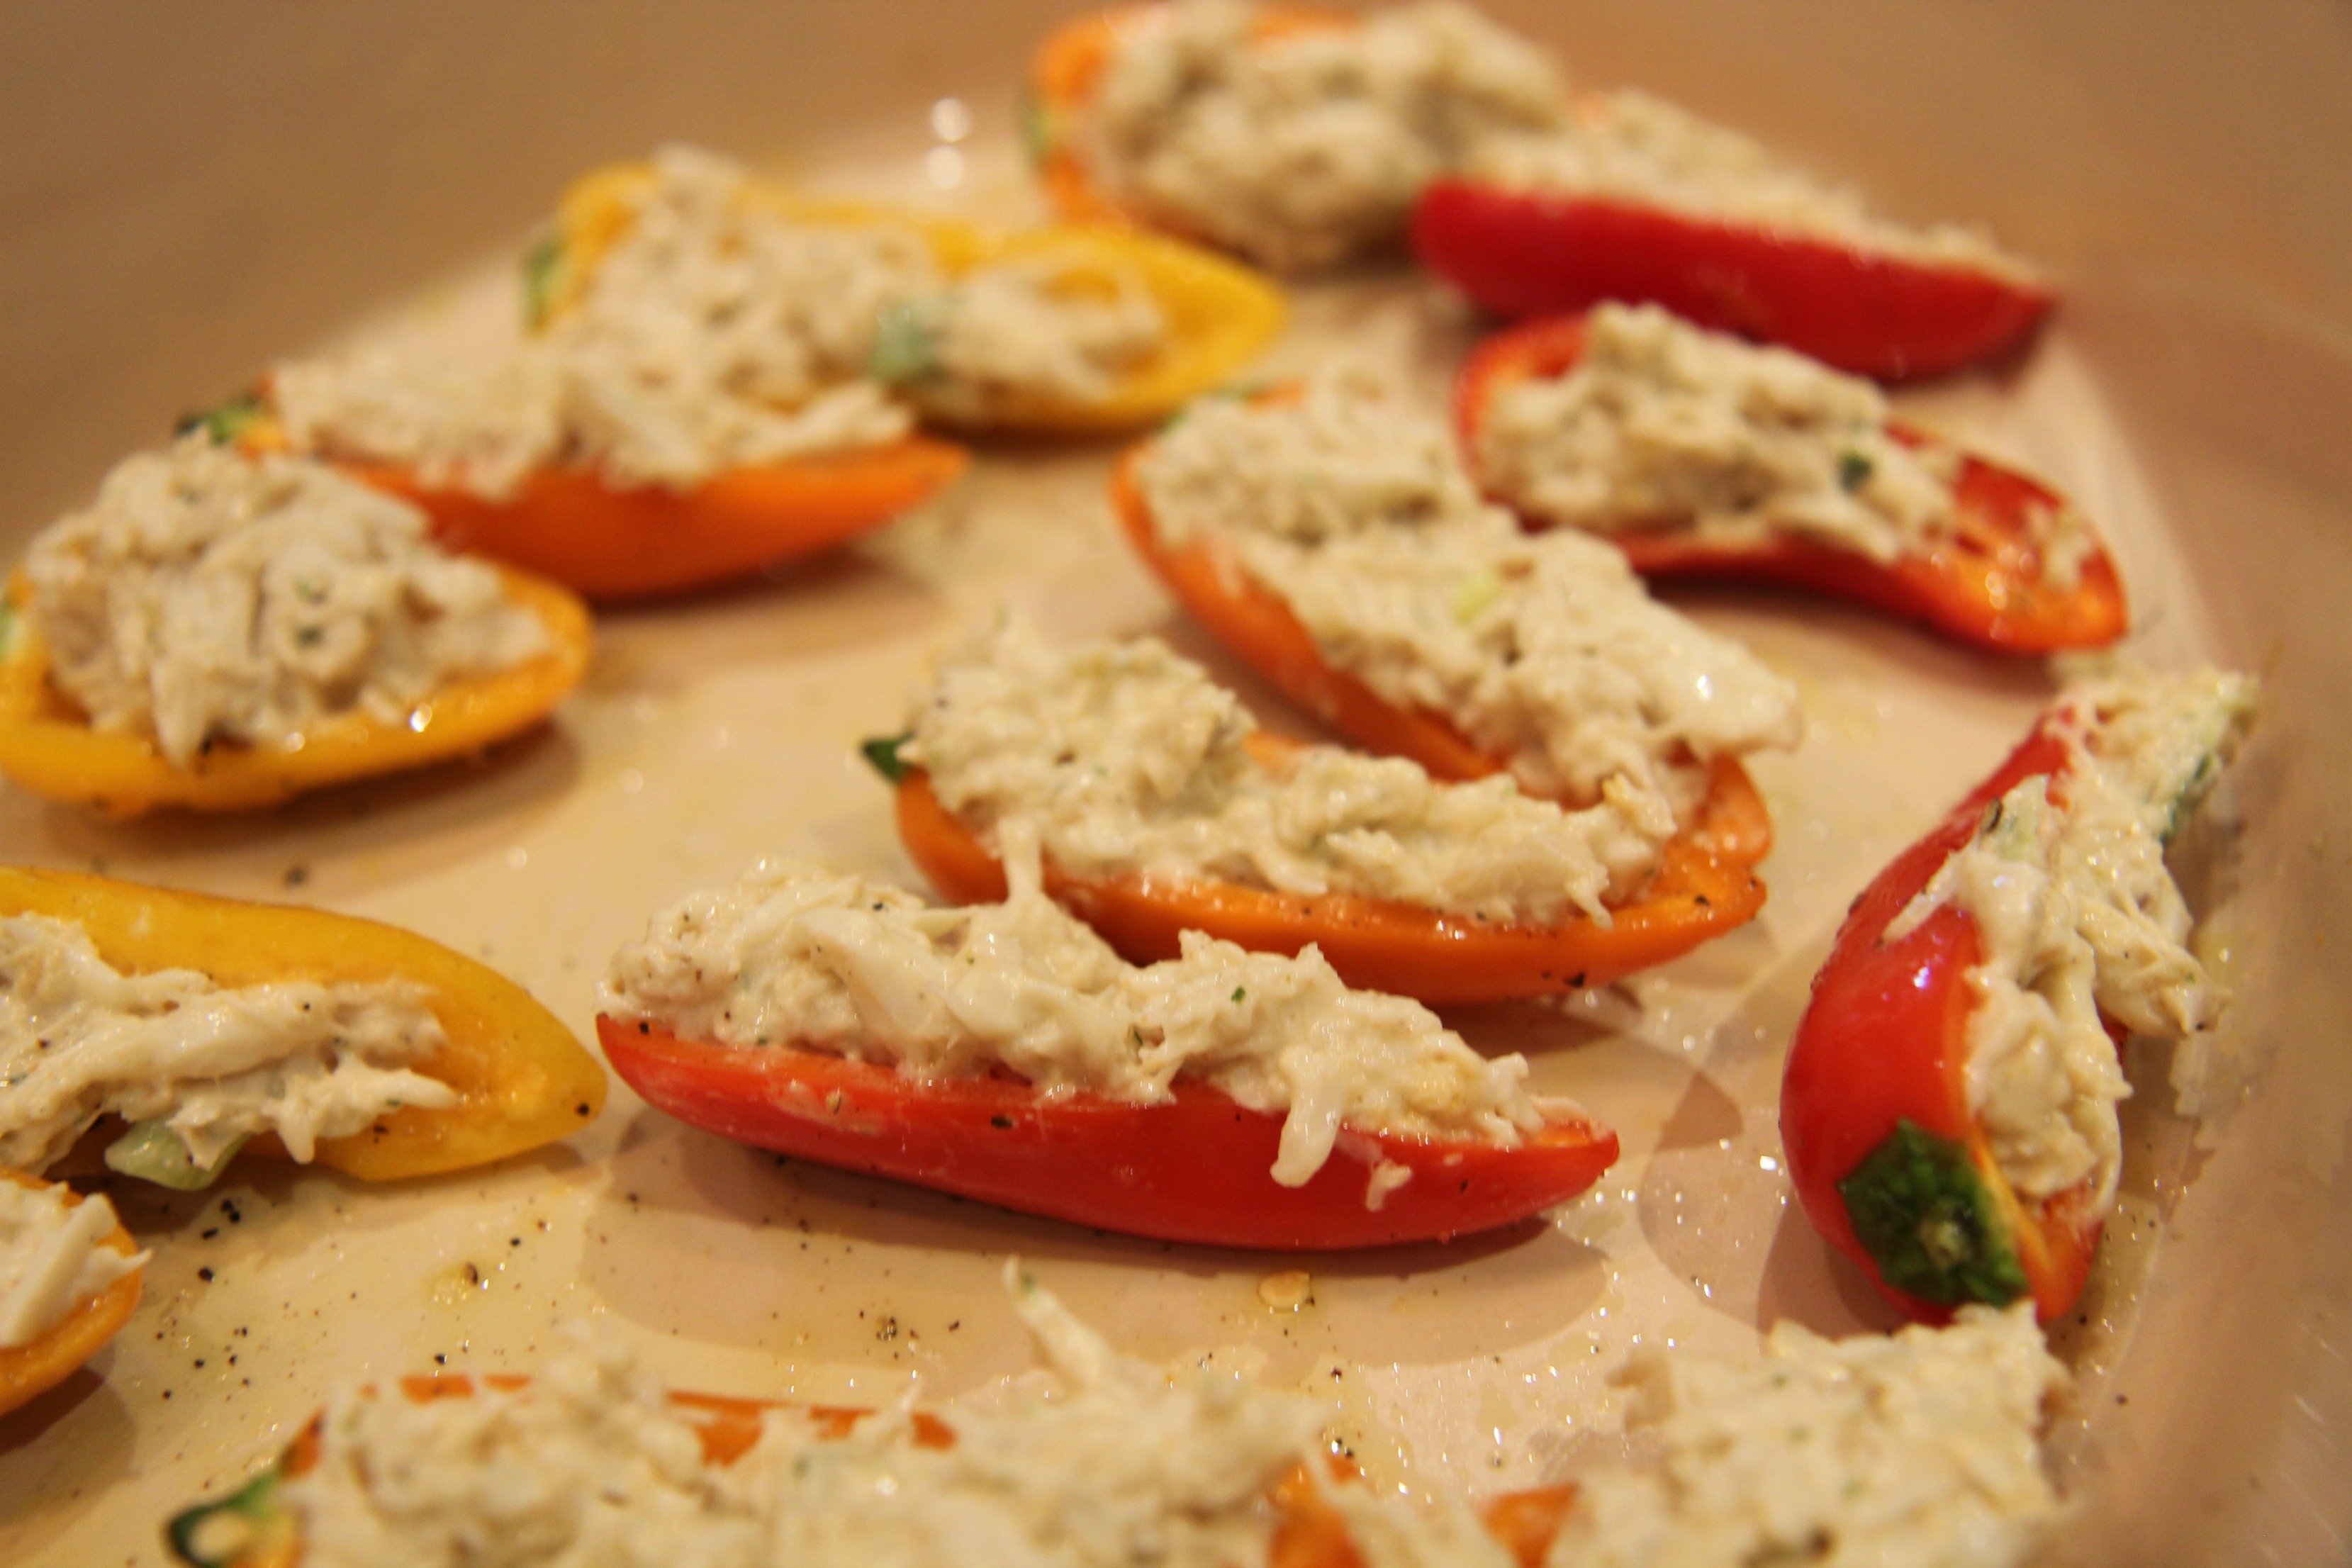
{"x":614,"y":545}
{"x":1889,"y":1162}
{"x":1519,"y":253}
{"x":1985,"y":585}
{"x":30,"y":1371}
{"x":48,"y":746}
{"x":252,"y":1528}
{"x":1195,"y":1168}
{"x":522,"y":1079}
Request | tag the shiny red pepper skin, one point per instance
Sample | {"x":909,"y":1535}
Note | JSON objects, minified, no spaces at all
{"x":1984,"y":586}
{"x":1884,"y":1042}
{"x":1192,"y":1170}
{"x":1519,"y":253}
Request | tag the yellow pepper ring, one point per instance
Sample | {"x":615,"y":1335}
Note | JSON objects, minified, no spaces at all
{"x":522,"y":1079}
{"x":1219,"y":313}
{"x":48,"y":746}
{"x":27,"y":1371}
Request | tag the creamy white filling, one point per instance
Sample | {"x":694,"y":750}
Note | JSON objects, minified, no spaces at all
{"x":589,"y":1463}
{"x":1120,"y":758}
{"x":1543,"y":649}
{"x":80,"y":1040}
{"x":718,"y":333}
{"x":1661,"y":426}
{"x":1036,"y":327}
{"x":482,"y":423}
{"x":2080,"y":922}
{"x":1308,"y":149}
{"x":1392,"y":1532}
{"x":54,"y":1257}
{"x":796,"y":956}
{"x":1917,"y":1450}
{"x":208,"y":595}
{"x":1629,"y":146}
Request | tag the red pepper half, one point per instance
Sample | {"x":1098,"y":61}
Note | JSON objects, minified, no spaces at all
{"x":1193,"y":1169}
{"x":1888,"y":1160}
{"x":1519,"y":253}
{"x":1985,"y":583}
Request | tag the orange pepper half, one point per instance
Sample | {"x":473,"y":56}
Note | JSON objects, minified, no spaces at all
{"x":48,"y":746}
{"x":1705,"y":886}
{"x":522,"y":1079}
{"x":612,"y":545}
{"x":30,"y":1370}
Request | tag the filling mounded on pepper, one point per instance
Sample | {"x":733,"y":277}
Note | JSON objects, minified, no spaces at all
{"x":1544,"y":651}
{"x":1630,"y":147}
{"x":1306,"y":148}
{"x":1120,"y":759}
{"x":2081,"y":925}
{"x":717,"y":332}
{"x":195,"y":1068}
{"x":1949,"y":1109}
{"x":1700,"y":455}
{"x":211,"y":595}
{"x":55,"y":1258}
{"x":794,"y":957}
{"x":1661,"y":428}
{"x":1921,"y":1447}
{"x":1917,"y":1447}
{"x":210,"y":1024}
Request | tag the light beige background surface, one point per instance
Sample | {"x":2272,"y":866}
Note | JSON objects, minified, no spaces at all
{"x":189,"y":191}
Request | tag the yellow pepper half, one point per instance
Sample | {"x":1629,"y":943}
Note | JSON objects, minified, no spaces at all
{"x":48,"y":746}
{"x":522,"y":1079}
{"x":27,"y":1371}
{"x":1219,"y":313}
